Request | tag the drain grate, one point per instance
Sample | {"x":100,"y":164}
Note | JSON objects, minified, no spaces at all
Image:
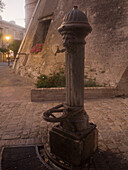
{"x":22,"y":158}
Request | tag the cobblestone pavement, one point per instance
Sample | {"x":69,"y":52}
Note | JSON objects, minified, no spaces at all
{"x":12,"y":86}
{"x":21,"y":121}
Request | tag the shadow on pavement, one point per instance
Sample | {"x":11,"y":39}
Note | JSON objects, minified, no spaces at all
{"x":109,"y":161}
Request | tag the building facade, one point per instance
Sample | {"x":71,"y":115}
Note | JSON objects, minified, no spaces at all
{"x":15,"y":32}
{"x":11,"y":30}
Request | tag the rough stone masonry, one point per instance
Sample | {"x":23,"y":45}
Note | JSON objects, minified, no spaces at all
{"x":106,"y":51}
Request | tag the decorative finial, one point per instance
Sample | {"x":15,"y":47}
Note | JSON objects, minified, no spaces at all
{"x":75,"y":7}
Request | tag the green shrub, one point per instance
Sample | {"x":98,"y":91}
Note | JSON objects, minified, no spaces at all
{"x":53,"y":80}
{"x":58,"y":80}
{"x":3,"y":50}
{"x":90,"y":83}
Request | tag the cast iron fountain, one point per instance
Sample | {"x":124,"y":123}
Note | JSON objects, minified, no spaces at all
{"x":74,"y":140}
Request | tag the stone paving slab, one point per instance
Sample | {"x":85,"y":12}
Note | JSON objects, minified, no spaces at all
{"x":12,"y":86}
{"x":15,"y":94}
{"x":9,"y":79}
{"x":21,"y":121}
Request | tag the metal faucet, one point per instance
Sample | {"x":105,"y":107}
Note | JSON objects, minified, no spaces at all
{"x":59,"y":51}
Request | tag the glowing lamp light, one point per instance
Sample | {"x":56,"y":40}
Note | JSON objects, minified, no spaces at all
{"x":7,"y":38}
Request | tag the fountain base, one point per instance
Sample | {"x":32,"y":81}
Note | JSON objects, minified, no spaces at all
{"x":74,"y":148}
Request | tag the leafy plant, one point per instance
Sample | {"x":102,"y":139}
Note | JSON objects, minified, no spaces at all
{"x":14,"y":46}
{"x":1,"y":35}
{"x":2,"y":5}
{"x":91,"y":83}
{"x":3,"y":50}
{"x":58,"y":80}
{"x":53,"y":80}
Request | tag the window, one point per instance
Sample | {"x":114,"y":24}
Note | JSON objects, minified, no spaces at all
{"x":21,"y":35}
{"x":6,"y":31}
{"x":42,"y":29}
{"x":41,"y":32}
{"x":14,"y":34}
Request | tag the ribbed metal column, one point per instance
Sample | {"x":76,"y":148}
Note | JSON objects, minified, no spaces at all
{"x":75,"y":76}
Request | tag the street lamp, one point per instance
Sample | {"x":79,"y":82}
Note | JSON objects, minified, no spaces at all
{"x":7,"y":39}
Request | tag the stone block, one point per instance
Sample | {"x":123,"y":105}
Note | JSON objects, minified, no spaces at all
{"x":59,"y":94}
{"x":72,"y":148}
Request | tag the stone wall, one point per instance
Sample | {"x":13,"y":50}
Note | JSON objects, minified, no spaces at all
{"x":122,"y":86}
{"x":106,"y":49}
{"x":29,"y":8}
{"x":59,"y":94}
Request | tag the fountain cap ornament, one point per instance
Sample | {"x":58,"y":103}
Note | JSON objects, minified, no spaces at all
{"x":75,"y":20}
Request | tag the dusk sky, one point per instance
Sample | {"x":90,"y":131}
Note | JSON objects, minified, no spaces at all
{"x":14,"y":10}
